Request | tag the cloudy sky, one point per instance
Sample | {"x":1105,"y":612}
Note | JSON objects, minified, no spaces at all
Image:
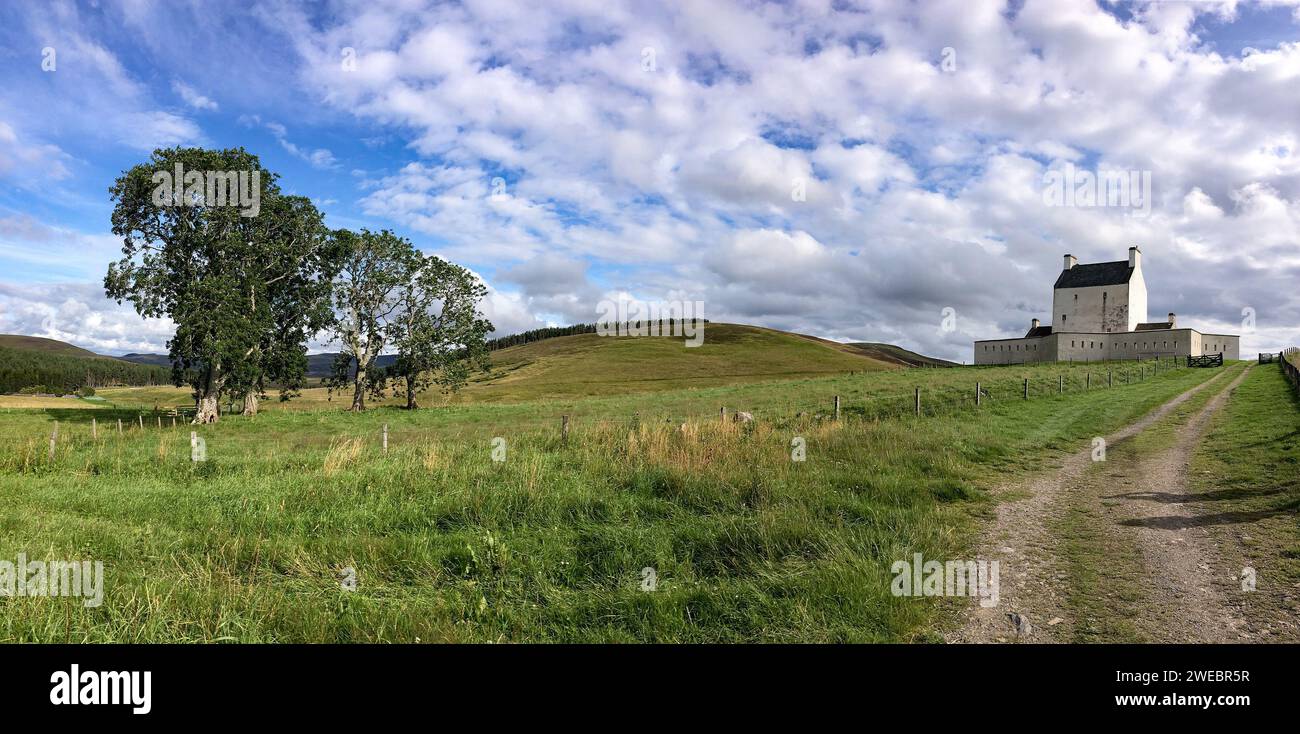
{"x":844,"y":169}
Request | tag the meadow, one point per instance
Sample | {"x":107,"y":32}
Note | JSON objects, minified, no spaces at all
{"x":559,"y":540}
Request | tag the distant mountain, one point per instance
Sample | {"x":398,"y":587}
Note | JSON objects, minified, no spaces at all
{"x":318,"y":365}
{"x":156,"y":360}
{"x":897,"y":355}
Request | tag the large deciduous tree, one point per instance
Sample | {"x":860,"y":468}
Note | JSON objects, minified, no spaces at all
{"x":437,"y":329}
{"x":243,"y":281}
{"x":372,"y":268}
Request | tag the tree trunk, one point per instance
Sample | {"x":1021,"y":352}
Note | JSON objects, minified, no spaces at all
{"x":208,"y":409}
{"x":358,"y":396}
{"x":250,"y":404}
{"x":410,"y":393}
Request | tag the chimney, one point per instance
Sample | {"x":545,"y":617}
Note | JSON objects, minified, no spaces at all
{"x":1071,"y":261}
{"x":1134,"y":257}
{"x":1173,"y":322}
{"x":1033,"y":324}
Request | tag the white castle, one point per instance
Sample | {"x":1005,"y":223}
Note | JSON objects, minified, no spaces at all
{"x":1099,"y":312}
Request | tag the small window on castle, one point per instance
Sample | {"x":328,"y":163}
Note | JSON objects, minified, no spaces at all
{"x":1076,"y":296}
{"x":1062,"y":318}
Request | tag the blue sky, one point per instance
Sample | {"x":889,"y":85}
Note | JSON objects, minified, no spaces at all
{"x":650,"y":151}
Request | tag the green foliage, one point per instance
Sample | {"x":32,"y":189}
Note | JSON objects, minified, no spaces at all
{"x":437,"y":329}
{"x":371,"y":269}
{"x":536,"y":335}
{"x":245,"y":292}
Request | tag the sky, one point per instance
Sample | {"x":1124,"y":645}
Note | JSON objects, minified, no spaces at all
{"x":859,"y":171}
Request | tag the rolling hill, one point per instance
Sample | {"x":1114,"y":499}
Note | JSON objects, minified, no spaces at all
{"x":581,"y":365}
{"x":41,"y":344}
{"x":589,"y":364}
{"x":153,"y":360}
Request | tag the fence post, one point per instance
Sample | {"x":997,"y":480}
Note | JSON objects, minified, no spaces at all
{"x":141,"y":418}
{"x":977,"y":395}
{"x":94,"y":430}
{"x":160,"y":423}
{"x":385,"y":438}
{"x":54,"y":439}
{"x":918,"y":401}
{"x":564,"y":429}
{"x":723,"y":414}
{"x":1108,"y":380}
{"x":837,"y":407}
{"x":119,"y":426}
{"x":1026,"y":388}
{"x":1060,"y":388}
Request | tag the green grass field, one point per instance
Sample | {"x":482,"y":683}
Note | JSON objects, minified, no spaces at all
{"x":550,"y":543}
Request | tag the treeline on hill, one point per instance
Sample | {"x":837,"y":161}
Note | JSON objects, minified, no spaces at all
{"x":536,"y":335}
{"x":62,"y":374}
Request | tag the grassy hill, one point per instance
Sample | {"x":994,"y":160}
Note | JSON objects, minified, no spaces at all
{"x":589,"y":364}
{"x":569,"y":368}
{"x":41,"y":344}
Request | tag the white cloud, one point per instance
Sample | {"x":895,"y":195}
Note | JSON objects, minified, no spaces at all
{"x":78,"y":314}
{"x":318,"y":158}
{"x":923,"y":186}
{"x":192,"y":96}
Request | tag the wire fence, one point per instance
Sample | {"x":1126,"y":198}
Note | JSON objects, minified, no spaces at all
{"x":78,"y":431}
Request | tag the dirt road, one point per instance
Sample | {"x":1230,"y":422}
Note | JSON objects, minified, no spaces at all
{"x":1130,"y":503}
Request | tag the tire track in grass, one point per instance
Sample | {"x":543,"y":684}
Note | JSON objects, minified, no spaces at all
{"x":1186,"y":589}
{"x":1034,"y":595}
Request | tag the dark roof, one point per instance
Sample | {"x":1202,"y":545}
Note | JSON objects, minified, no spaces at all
{"x":1154,"y":326}
{"x":1093,"y":274}
{"x":1036,"y":332}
